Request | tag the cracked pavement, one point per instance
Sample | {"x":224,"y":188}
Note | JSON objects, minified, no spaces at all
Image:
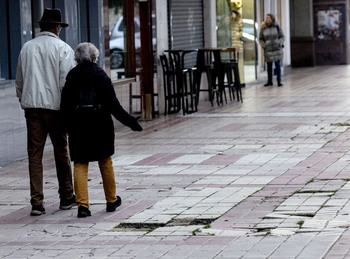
{"x":266,"y":178}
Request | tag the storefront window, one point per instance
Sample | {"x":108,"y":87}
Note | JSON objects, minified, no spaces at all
{"x":116,"y":38}
{"x":123,"y":56}
{"x":72,"y":32}
{"x":223,"y":27}
{"x":69,"y":13}
{"x":236,"y":28}
{"x":26,"y":22}
{"x":248,"y":36}
{"x":37,"y":11}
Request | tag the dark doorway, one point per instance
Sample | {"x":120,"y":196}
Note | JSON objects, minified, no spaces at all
{"x":330,"y":33}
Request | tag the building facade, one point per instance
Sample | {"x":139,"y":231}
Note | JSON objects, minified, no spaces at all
{"x":114,"y":27}
{"x":131,"y":35}
{"x":319,"y":32}
{"x":19,"y":23}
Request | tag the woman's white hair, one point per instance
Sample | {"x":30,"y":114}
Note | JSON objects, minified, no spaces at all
{"x":86,"y":52}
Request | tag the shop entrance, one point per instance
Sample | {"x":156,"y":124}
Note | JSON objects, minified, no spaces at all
{"x":249,"y":40}
{"x":236,"y":27}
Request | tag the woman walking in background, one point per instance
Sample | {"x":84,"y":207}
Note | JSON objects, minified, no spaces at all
{"x":88,"y":101}
{"x":271,"y":39}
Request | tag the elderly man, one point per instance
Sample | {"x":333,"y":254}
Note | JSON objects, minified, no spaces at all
{"x":43,"y":64}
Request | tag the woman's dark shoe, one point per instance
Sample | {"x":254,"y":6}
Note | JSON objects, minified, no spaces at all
{"x":83,"y":212}
{"x":111,"y":206}
{"x":280,"y":83}
{"x":268,"y":84}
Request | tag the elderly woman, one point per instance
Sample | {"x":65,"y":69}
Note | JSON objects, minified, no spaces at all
{"x":88,"y":101}
{"x":271,"y":39}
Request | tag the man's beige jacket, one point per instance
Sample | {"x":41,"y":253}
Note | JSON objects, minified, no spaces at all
{"x":43,"y":65}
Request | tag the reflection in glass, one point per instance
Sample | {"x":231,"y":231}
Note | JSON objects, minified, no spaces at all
{"x":137,"y":34}
{"x":26,"y":21}
{"x":72,"y":31}
{"x":223,"y":27}
{"x":248,"y":37}
{"x":116,"y":38}
{"x":37,"y":11}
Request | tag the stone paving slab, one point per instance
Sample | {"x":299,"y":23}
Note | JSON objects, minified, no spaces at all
{"x":267,"y":178}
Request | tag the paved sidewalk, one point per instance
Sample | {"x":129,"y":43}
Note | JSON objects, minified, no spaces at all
{"x":266,"y":178}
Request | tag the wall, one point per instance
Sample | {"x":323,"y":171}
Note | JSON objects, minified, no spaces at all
{"x":13,"y":133}
{"x":162,"y":44}
{"x":302,"y":40}
{"x":209,"y":12}
{"x":4,"y":69}
{"x":15,"y":21}
{"x":285,"y":19}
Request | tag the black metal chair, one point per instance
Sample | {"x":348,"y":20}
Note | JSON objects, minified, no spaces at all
{"x":190,"y":90}
{"x":185,"y":78}
{"x":232,"y":72}
{"x":179,"y":84}
{"x":227,"y":74}
{"x":205,"y":64}
{"x":171,"y":94}
{"x":220,"y":71}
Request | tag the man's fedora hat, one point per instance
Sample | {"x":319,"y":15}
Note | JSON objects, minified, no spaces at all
{"x":52,"y":16}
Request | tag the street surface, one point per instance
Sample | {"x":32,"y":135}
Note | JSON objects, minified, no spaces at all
{"x":266,"y":178}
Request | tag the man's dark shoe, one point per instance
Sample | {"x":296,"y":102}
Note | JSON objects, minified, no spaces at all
{"x":37,"y":210}
{"x":83,"y":212}
{"x":280,"y":83}
{"x":66,"y":204}
{"x":111,"y":206}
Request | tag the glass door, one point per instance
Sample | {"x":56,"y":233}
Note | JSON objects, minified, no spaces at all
{"x":224,"y":33}
{"x":249,"y":40}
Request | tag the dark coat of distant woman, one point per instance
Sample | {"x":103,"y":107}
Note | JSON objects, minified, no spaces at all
{"x":88,"y":101}
{"x":271,"y":39}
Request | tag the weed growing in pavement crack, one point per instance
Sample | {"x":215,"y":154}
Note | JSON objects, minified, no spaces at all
{"x":310,"y":181}
{"x":300,"y":223}
{"x":292,"y":138}
{"x":340,"y":124}
{"x":316,"y":191}
{"x":197,"y":230}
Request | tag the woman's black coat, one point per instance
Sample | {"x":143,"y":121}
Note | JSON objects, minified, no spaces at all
{"x":88,"y":100}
